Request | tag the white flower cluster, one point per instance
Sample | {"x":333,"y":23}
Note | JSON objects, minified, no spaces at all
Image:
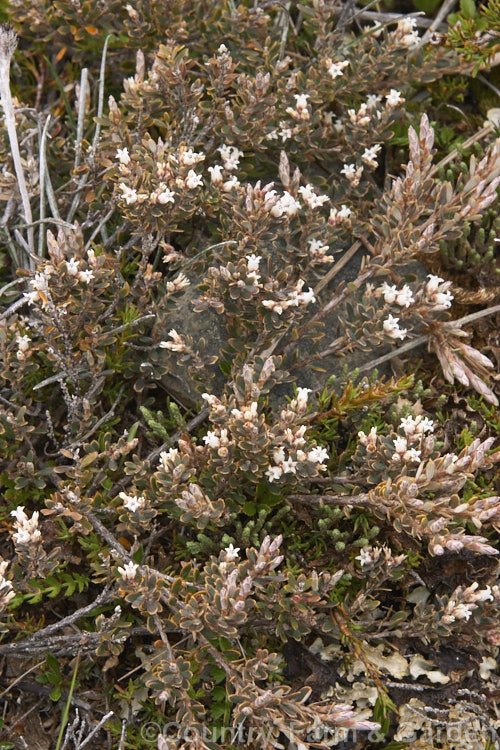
{"x":180,"y":283}
{"x":392,"y":329}
{"x":129,"y":572}
{"x":437,"y":293}
{"x":360,"y":118}
{"x":310,"y":198}
{"x":168,"y":457}
{"x":370,"y":440}
{"x":176,"y":345}
{"x":72,"y":270}
{"x":436,"y":296}
{"x":6,"y":589}
{"x":23,"y":344}
{"x":369,"y":155}
{"x":415,"y":429}
{"x":230,"y":156}
{"x":301,"y":110}
{"x":339,"y":216}
{"x":132,"y":502}
{"x":406,"y":33}
{"x":294,"y":298}
{"x":369,"y":555}
{"x":217,"y":179}
{"x":39,"y":286}
{"x":352,"y":174}
{"x":27,"y":532}
{"x":253,"y":274}
{"x":295,"y":441}
{"x":286,"y":205}
{"x":218,"y":440}
{"x":402,"y":297}
{"x":464,"y":601}
{"x":162,"y":194}
{"x":318,"y":252}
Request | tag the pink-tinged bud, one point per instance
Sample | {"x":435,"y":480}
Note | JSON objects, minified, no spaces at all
{"x":437,"y":549}
{"x":483,"y":390}
{"x":437,"y":525}
{"x":454,"y":545}
{"x":485,"y":515}
{"x":475,"y":356}
{"x":459,"y":371}
{"x":460,"y":508}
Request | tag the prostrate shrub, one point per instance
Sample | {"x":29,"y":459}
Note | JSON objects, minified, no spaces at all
{"x":222,"y":524}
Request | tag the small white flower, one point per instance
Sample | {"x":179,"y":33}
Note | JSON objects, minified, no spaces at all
{"x":404,"y":297}
{"x":336,"y":69}
{"x":132,"y":502}
{"x":232,"y":553}
{"x":310,"y":198}
{"x":427,"y":425}
{"x":373,"y":100}
{"x":123,"y":156}
{"x":189,"y":157}
{"x":318,"y":251}
{"x":360,"y":118}
{"x":72,"y":266}
{"x":301,"y":101}
{"x":253,"y":266}
{"x":178,"y":284}
{"x":129,"y":572}
{"x":348,"y":170}
{"x":27,"y":532}
{"x":230,"y":156}
{"x":169,"y":455}
{"x":166,"y":195}
{"x":369,"y":440}
{"x":302,"y":396}
{"x":318,"y":455}
{"x":400,"y":444}
{"x":274,"y":472}
{"x":212,"y":440}
{"x":216,"y":177}
{"x":193,"y":180}
{"x":370,"y":155}
{"x":389,"y":293}
{"x":86,"y":276}
{"x":412,"y":455}
{"x":352,"y":174}
{"x":23,"y":343}
{"x":339,"y":216}
{"x":278,"y":456}
{"x":392,"y":328}
{"x":129,"y":194}
{"x":272,"y":305}
{"x":233,"y":182}
{"x":394,"y":98}
{"x":286,"y":205}
{"x":368,"y":555}
{"x":289,"y":466}
{"x":437,"y":293}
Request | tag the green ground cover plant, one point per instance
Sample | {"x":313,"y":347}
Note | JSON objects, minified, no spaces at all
{"x":248,"y":393}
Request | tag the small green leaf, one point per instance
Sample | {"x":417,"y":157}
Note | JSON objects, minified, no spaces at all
{"x":468,"y":8}
{"x":88,"y":459}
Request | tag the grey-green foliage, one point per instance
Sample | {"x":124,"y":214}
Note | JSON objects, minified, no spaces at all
{"x":163,"y":423}
{"x":476,"y":252}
